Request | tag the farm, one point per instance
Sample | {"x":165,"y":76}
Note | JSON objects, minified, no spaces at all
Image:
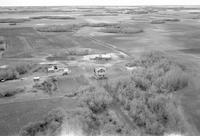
{"x":100,"y":71}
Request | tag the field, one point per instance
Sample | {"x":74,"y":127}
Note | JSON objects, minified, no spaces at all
{"x":79,"y":39}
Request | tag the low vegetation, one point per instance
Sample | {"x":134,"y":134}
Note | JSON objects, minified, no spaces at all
{"x":48,"y":126}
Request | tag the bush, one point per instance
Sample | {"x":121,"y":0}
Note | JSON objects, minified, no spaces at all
{"x":46,"y":127}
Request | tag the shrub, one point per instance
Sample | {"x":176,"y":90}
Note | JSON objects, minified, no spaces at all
{"x":48,"y":126}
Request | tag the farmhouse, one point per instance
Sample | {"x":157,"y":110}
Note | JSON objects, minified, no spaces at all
{"x":100,"y":72}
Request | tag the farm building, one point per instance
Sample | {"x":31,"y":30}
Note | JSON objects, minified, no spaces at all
{"x":100,"y":72}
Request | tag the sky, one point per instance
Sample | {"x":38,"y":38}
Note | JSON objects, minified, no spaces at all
{"x":96,"y":2}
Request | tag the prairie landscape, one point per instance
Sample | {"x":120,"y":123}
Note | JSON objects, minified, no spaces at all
{"x":49,"y":62}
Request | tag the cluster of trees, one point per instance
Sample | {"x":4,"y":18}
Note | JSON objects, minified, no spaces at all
{"x":96,"y":117}
{"x":121,"y":29}
{"x":145,"y":98}
{"x":146,"y":95}
{"x":60,"y":28}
